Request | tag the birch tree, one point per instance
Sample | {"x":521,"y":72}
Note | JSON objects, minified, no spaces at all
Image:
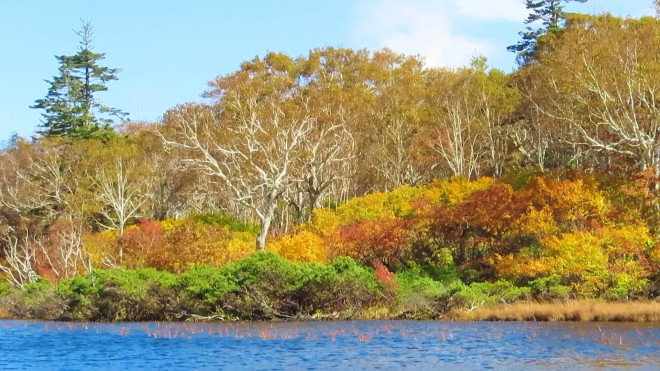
{"x":251,"y":155}
{"x":395,"y":118}
{"x":604,"y":79}
{"x":457,"y":134}
{"x":121,"y":193}
{"x":20,"y":254}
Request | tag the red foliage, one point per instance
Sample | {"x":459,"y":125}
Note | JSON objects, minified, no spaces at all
{"x":386,"y":241}
{"x":384,"y":276}
{"x":492,"y":210}
{"x":141,"y":242}
{"x":477,"y":227}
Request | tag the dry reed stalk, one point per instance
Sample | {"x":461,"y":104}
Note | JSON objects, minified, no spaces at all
{"x":582,"y":310}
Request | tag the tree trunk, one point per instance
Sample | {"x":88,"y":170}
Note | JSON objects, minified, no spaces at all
{"x":266,"y":221}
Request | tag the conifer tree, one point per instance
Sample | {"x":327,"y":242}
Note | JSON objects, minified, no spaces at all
{"x":70,"y":104}
{"x":550,"y":13}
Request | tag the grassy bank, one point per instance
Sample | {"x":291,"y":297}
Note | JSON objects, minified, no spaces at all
{"x":578,"y":311}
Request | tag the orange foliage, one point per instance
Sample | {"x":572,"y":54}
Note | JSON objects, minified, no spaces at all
{"x":172,"y":245}
{"x":575,"y":204}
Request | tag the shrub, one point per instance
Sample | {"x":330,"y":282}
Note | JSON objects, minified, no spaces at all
{"x":479,"y":293}
{"x":4,"y":288}
{"x":303,"y":246}
{"x":205,"y":283}
{"x":269,"y":286}
{"x":36,"y":300}
{"x":226,"y":220}
{"x":549,"y":288}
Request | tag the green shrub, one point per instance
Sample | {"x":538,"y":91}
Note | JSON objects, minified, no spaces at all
{"x":446,"y":274}
{"x":478,"y":293}
{"x":349,"y":270}
{"x":420,"y":297}
{"x":626,"y":286}
{"x":4,"y":288}
{"x":135,"y":282}
{"x":36,"y":300}
{"x":205,"y":283}
{"x":269,"y":286}
{"x":415,"y":281}
{"x":78,"y":285}
{"x":78,"y":292}
{"x":549,"y":288}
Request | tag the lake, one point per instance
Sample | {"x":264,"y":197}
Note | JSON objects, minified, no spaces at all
{"x":327,"y":345}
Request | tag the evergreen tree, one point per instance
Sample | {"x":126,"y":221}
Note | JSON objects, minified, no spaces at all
{"x":71,"y":109}
{"x":551,"y":15}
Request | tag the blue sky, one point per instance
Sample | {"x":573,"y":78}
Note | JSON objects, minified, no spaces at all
{"x":168,"y":50}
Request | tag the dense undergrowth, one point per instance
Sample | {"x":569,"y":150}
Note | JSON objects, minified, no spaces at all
{"x":415,"y":252}
{"x":261,"y":286}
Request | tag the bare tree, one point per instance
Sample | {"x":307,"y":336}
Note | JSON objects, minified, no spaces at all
{"x":121,"y":195}
{"x":325,"y":149}
{"x":20,"y":256}
{"x":64,"y":249}
{"x":458,"y":140}
{"x":250,"y":153}
{"x":605,"y":96}
{"x":394,"y":159}
{"x":120,"y":189}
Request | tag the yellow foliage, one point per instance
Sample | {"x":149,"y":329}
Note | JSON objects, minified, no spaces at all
{"x":239,"y":246}
{"x":654,"y":255}
{"x":169,"y":224}
{"x":514,"y":267}
{"x":575,"y":253}
{"x":302,"y":246}
{"x":399,"y":200}
{"x":535,"y":223}
{"x":570,"y":200}
{"x":380,"y":206}
{"x":324,"y":222}
{"x":594,"y":261}
{"x":102,"y":246}
{"x":373,"y":206}
{"x":452,"y":192}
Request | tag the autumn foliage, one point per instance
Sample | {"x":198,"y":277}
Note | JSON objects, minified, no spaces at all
{"x":541,"y":182}
{"x":575,"y":227}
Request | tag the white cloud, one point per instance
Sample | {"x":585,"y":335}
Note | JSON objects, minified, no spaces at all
{"x":428,"y":27}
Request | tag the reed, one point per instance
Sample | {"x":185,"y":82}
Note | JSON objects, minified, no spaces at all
{"x":577,"y":311}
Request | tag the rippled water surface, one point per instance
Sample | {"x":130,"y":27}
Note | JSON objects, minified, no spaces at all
{"x":325,"y":345}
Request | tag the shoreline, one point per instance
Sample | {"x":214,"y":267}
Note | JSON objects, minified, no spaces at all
{"x":640,"y":311}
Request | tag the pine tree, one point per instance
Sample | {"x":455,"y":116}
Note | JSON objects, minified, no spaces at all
{"x":551,"y":15}
{"x":71,"y":109}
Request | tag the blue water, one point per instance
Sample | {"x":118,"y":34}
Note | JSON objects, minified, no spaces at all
{"x":327,"y":345}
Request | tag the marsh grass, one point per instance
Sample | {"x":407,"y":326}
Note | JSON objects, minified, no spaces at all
{"x":576,"y":311}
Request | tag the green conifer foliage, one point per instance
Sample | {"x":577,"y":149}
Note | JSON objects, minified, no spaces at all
{"x":71,"y":109}
{"x":550,"y":15}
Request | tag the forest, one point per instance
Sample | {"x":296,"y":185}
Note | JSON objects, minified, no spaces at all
{"x":346,"y":184}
